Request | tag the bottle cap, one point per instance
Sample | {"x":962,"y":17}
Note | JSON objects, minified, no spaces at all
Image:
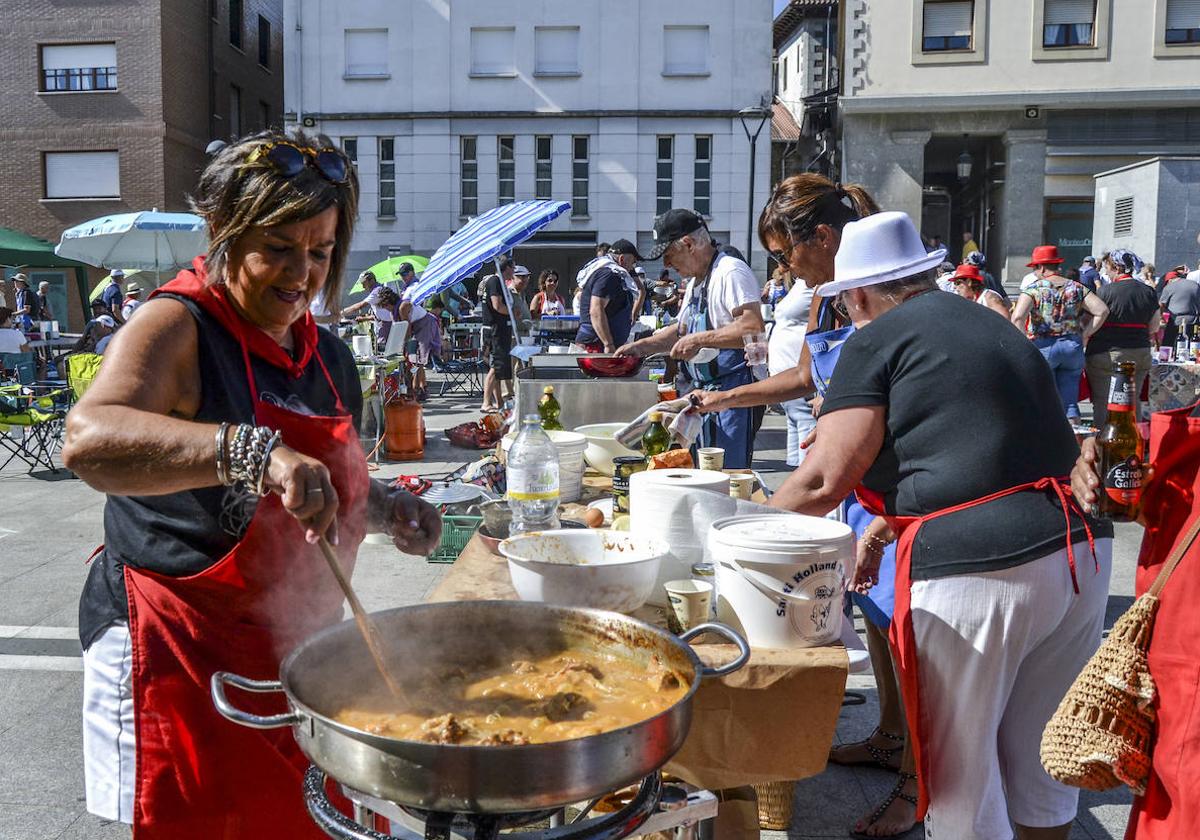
{"x":655,"y":416}
{"x":549,"y":389}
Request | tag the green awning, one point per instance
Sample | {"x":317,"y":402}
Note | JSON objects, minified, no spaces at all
{"x":21,"y":249}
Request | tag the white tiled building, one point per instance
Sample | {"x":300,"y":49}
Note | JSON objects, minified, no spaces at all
{"x":623,"y":107}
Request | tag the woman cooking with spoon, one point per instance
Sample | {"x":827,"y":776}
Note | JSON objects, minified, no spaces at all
{"x":223,"y":429}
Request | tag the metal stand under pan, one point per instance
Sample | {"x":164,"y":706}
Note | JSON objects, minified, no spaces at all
{"x":656,"y":807}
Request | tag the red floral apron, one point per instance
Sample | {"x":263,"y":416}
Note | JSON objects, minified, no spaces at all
{"x":1170,"y":809}
{"x":199,"y":776}
{"x":901,"y":634}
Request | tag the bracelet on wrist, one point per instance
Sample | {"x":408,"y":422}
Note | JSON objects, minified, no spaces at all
{"x":244,"y":458}
{"x":222,"y":446}
{"x":874,"y":543}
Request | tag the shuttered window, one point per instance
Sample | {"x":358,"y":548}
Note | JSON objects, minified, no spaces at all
{"x":1123,"y":216}
{"x":493,"y":51}
{"x":82,"y":174}
{"x":947,"y":25}
{"x":79,"y":67}
{"x":685,"y":51}
{"x":1183,"y":21}
{"x":556,"y":50}
{"x":1069,"y":23}
{"x":366,"y":52}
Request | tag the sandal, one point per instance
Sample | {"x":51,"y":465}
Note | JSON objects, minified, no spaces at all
{"x":896,"y":793}
{"x":887,"y":759}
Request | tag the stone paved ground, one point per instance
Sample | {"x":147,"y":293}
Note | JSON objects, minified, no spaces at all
{"x":49,"y":523}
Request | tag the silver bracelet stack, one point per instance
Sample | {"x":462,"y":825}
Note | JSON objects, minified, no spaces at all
{"x":244,"y":457}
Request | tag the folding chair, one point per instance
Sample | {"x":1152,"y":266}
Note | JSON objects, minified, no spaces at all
{"x":81,"y":372}
{"x":458,"y":373}
{"x":22,"y":365}
{"x":41,"y":430}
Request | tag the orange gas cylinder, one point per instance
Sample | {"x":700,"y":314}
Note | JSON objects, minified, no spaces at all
{"x":404,"y":429}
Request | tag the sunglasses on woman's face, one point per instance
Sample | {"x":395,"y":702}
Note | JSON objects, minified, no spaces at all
{"x":289,"y":160}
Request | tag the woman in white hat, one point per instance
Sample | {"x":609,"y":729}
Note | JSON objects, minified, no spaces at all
{"x":992,"y":621}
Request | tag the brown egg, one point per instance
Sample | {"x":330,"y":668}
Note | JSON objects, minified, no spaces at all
{"x":593,"y":518}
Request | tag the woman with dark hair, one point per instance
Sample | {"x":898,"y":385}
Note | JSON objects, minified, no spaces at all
{"x":547,"y":301}
{"x":224,"y":431}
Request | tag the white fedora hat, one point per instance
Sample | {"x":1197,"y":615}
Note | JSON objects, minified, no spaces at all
{"x":876,"y":249}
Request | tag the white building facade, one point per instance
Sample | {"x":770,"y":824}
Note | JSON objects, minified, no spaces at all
{"x":1036,"y":96}
{"x":450,"y":107}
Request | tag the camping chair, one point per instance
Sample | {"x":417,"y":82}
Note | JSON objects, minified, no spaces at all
{"x":81,"y":372}
{"x":464,"y":374}
{"x":41,"y":430}
{"x":22,"y":365}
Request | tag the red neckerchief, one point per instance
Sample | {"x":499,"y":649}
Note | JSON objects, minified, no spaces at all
{"x":194,"y":286}
{"x":1121,"y":277}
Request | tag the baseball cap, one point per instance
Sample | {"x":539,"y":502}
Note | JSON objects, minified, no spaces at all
{"x":521,"y":271}
{"x":624,"y":246}
{"x":672,"y":225}
{"x":639,"y":271}
{"x":117,"y":274}
{"x":106,"y":320}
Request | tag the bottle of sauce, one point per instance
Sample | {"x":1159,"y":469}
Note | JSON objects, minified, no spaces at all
{"x":1121,"y":450}
{"x":656,"y":439}
{"x":549,"y":410}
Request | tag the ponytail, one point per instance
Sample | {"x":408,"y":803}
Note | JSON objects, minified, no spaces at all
{"x":801,"y":203}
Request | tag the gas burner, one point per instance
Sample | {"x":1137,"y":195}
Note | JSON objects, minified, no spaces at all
{"x":655,"y":807}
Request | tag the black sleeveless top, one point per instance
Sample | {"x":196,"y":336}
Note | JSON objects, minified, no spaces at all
{"x":184,"y":533}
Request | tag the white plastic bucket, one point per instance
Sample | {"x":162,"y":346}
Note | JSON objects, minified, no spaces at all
{"x":780,"y":578}
{"x":571,"y":446}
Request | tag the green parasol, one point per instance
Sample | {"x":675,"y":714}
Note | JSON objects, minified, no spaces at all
{"x":385,"y":272}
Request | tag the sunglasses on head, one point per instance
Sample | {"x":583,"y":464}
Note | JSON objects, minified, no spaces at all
{"x":289,"y":160}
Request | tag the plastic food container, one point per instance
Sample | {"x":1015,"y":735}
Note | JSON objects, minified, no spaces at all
{"x":608,"y":570}
{"x":780,"y":577}
{"x":602,"y":447}
{"x":570,"y":446}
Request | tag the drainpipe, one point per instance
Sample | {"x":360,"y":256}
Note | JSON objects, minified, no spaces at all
{"x":299,"y":65}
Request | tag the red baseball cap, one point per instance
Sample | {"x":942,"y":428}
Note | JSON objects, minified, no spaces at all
{"x":1044,"y":255}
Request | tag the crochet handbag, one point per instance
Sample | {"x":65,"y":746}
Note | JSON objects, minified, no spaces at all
{"x":1100,"y":735}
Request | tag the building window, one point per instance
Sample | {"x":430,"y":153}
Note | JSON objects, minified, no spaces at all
{"x":235,"y":111}
{"x":79,"y":67}
{"x":264,"y":41}
{"x":947,"y":25}
{"x":264,"y":115}
{"x":544,"y":168}
{"x":506,"y":170}
{"x":685,"y":51}
{"x":493,"y":51}
{"x":1123,"y":216}
{"x":82,"y":174}
{"x":366,"y":53}
{"x":1069,"y":23}
{"x":702,"y":191}
{"x":235,"y":23}
{"x":1183,"y":21}
{"x":387,"y":177}
{"x":665,"y":175}
{"x":556,"y":50}
{"x":580,"y":180}
{"x":468,"y":176}
{"x":783,"y":76}
{"x":350,"y":148}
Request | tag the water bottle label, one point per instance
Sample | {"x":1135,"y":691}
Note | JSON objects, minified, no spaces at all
{"x":533,"y":484}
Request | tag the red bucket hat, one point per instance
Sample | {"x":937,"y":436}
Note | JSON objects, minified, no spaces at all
{"x":966,"y":271}
{"x":1044,"y":255}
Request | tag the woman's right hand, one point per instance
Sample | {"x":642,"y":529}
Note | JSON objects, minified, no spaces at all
{"x":306,"y":490}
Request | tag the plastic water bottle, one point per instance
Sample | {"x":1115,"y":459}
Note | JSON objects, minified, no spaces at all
{"x":533,"y":479}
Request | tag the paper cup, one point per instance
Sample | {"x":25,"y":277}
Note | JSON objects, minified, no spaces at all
{"x":711,"y":458}
{"x":741,"y":485}
{"x":690,"y":601}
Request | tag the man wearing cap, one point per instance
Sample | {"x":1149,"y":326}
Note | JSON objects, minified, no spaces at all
{"x":1088,"y":275}
{"x":606,"y":298}
{"x":133,"y":299}
{"x":642,"y":305}
{"x":520,"y":279}
{"x":23,"y":303}
{"x":721,"y":306}
{"x":114,"y":296}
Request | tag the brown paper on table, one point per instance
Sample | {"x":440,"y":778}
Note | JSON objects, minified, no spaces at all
{"x":772,"y":720}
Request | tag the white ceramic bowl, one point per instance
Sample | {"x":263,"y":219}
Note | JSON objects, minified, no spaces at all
{"x":607,"y":570}
{"x":602,"y":447}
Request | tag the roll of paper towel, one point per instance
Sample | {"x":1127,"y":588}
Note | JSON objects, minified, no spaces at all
{"x":362,"y":346}
{"x":678,"y":506}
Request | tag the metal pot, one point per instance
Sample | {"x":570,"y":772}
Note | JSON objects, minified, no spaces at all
{"x":332,"y":670}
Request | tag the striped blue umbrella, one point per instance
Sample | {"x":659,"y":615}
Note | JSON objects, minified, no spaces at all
{"x":485,"y":237}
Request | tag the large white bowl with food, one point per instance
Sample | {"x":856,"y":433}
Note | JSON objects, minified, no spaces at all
{"x":602,"y":446}
{"x":607,"y":570}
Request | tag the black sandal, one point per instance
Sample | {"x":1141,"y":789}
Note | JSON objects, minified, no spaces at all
{"x":880,"y":757}
{"x":897,"y":793}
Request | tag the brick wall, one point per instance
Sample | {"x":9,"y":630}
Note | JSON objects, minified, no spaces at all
{"x":259,"y":85}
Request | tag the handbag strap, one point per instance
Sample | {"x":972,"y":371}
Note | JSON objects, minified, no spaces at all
{"x":1176,"y":555}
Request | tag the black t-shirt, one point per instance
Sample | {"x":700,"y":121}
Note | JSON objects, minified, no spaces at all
{"x":608,"y":283}
{"x":971,"y":410}
{"x":498,"y":321}
{"x":1130,"y":302}
{"x":185,"y":533}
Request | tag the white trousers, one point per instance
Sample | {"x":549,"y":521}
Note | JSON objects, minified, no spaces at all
{"x":996,"y":652}
{"x":108,"y":734}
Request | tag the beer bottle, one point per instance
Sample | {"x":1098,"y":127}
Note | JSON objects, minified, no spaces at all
{"x":656,"y":439}
{"x":549,"y":409}
{"x":1121,"y":450}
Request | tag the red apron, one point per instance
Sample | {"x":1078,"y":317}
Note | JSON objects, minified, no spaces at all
{"x":901,"y":634}
{"x":1170,"y":809}
{"x":199,"y":776}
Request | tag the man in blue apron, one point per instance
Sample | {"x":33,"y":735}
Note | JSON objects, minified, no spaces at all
{"x":720,"y":307}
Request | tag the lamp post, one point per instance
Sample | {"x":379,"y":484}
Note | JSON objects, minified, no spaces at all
{"x":761,"y":113}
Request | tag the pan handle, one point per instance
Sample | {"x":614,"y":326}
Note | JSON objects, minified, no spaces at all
{"x":729,"y":633}
{"x":233,"y":713}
